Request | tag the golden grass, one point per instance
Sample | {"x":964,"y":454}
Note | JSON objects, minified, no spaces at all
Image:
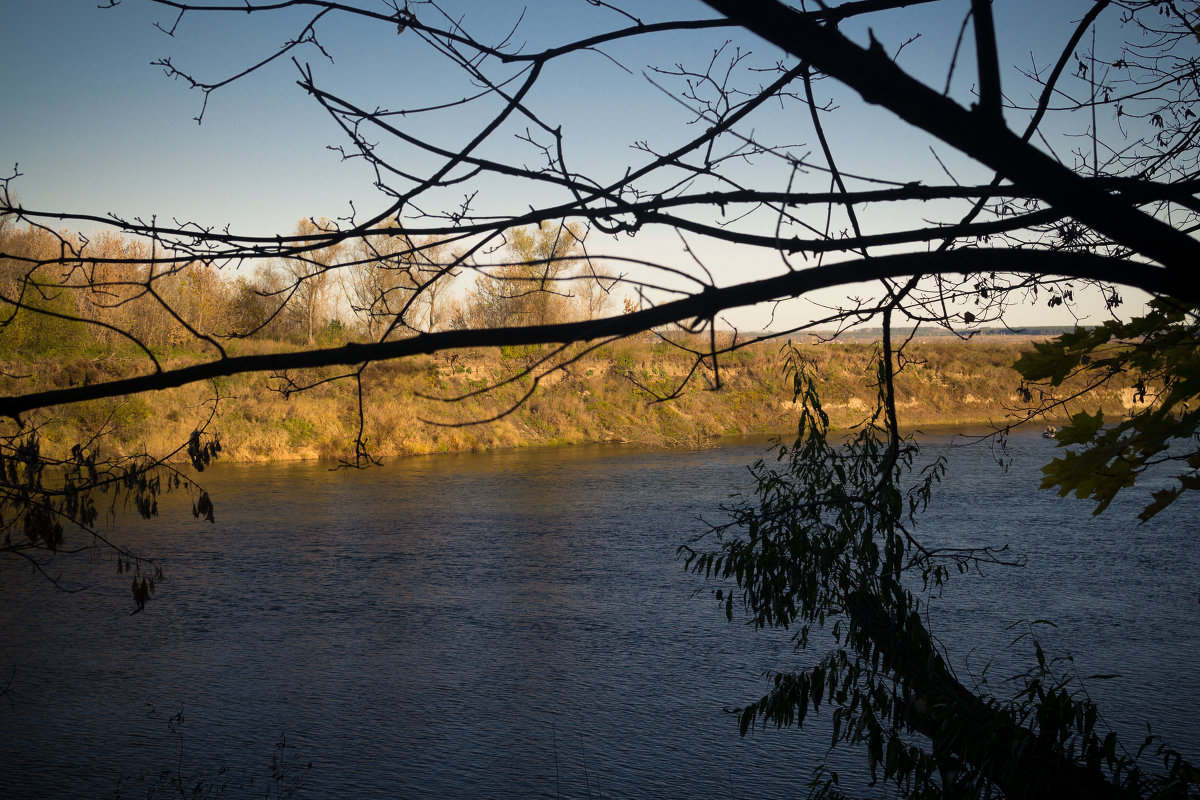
{"x":595,"y":399}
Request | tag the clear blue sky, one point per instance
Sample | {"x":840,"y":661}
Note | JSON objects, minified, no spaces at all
{"x":95,"y":128}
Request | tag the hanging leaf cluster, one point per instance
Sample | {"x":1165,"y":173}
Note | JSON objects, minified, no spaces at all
{"x":43,"y":499}
{"x":1158,"y":352}
{"x":827,"y":549}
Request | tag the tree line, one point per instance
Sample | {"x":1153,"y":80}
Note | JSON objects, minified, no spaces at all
{"x":111,"y":290}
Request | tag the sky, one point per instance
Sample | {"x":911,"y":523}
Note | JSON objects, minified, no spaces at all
{"x":94,"y":126}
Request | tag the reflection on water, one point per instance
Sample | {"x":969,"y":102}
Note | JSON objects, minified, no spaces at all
{"x":516,"y":625}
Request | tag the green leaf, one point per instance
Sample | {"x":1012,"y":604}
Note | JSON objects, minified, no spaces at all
{"x":1082,"y":428}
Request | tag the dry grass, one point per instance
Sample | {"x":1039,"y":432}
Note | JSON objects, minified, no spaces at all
{"x":595,"y":399}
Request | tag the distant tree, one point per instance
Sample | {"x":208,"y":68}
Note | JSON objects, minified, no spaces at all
{"x":306,"y":278}
{"x":594,"y":286}
{"x":248,"y":310}
{"x":396,"y":285}
{"x":529,"y":286}
{"x":203,"y":298}
{"x":39,"y":310}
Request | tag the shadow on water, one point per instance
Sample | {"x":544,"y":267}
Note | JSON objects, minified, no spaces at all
{"x":515,"y":624}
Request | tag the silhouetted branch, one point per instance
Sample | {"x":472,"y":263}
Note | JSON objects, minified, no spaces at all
{"x":704,"y":304}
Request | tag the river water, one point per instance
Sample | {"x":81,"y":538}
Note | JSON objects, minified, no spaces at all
{"x":516,"y":625}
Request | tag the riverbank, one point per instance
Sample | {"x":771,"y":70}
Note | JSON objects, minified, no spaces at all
{"x":645,"y":393}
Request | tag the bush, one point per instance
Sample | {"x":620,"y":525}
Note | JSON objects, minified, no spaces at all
{"x":35,"y":333}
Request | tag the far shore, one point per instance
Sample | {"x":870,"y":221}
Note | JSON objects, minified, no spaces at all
{"x":633,"y":392}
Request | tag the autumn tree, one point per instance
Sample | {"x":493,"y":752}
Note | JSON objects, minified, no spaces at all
{"x":249,"y":310}
{"x":593,"y":290}
{"x":529,"y":285}
{"x":305,"y":280}
{"x":38,"y":314}
{"x":397,"y":285}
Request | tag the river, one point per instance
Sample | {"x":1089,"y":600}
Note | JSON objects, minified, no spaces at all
{"x":516,"y":625}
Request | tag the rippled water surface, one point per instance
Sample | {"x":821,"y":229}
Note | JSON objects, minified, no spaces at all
{"x":516,"y":625}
